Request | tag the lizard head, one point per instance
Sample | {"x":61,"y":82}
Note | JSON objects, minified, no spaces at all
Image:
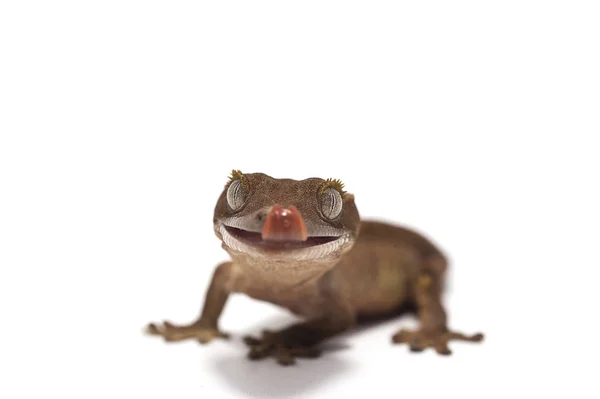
{"x":285,"y":219}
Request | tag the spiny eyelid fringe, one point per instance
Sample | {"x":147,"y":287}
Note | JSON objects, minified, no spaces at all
{"x":237,"y":175}
{"x":333,"y":183}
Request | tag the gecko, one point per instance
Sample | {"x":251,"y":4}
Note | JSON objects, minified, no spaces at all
{"x":301,"y":245}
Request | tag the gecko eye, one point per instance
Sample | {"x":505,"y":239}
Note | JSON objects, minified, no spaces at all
{"x":331,"y":203}
{"x":236,"y":195}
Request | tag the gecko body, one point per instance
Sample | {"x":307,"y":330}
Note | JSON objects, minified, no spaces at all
{"x":301,"y":245}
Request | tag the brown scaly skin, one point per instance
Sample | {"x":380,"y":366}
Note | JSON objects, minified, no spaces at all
{"x":359,"y":269}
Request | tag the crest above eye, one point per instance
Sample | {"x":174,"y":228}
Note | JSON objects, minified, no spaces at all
{"x":332,"y":183}
{"x":237,"y":175}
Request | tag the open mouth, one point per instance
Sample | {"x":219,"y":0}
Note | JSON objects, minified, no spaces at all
{"x":283,"y":235}
{"x":255,"y":239}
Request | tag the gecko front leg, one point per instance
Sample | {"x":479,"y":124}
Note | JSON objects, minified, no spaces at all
{"x":205,"y":328}
{"x":433,"y":331}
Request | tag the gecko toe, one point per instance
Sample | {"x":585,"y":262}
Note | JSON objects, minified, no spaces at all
{"x":152,"y":329}
{"x":258,"y":353}
{"x":464,"y":337}
{"x":416,"y":347}
{"x":442,"y":348}
{"x":416,"y":343}
{"x":477,"y":337}
{"x":402,"y":336}
{"x":284,"y":357}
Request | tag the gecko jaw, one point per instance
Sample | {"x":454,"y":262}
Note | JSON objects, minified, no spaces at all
{"x":251,"y":243}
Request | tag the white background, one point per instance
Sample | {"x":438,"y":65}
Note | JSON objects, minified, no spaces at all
{"x":474,"y":122}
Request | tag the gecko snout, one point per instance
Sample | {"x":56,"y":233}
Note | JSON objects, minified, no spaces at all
{"x":284,"y":224}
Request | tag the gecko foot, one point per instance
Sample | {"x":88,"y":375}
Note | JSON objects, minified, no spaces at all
{"x":202,"y":333}
{"x":280,"y":345}
{"x":419,"y":340}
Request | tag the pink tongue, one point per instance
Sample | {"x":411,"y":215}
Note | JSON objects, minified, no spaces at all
{"x":284,"y":224}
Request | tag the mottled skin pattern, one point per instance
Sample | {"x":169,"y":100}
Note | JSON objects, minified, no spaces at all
{"x":366,"y":269}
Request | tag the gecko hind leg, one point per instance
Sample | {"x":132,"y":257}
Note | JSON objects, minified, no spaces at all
{"x":433,"y":331}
